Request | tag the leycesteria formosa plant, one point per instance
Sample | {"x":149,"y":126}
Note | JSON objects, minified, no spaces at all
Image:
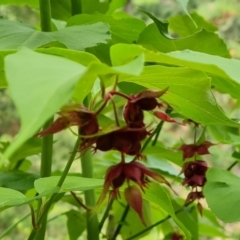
{"x":127,"y":140}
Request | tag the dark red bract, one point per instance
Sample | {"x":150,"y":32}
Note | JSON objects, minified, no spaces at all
{"x":189,"y":150}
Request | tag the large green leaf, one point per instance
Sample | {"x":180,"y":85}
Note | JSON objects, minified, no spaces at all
{"x":152,"y":39}
{"x":10,"y":197}
{"x":17,"y":180}
{"x":222,"y":194}
{"x":189,"y":92}
{"x":222,"y":70}
{"x":76,"y":224}
{"x":48,"y":73}
{"x":71,"y":183}
{"x":183,"y":26}
{"x":157,"y":195}
{"x":15,"y":35}
{"x":40,"y":90}
{"x":189,"y":216}
{"x":122,"y":30}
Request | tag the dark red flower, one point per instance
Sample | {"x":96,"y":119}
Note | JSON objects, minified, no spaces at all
{"x":192,"y":196}
{"x":116,"y":175}
{"x":129,"y":172}
{"x":189,"y":150}
{"x":146,"y":100}
{"x":194,"y":173}
{"x":72,"y":115}
{"x":126,"y":140}
{"x":176,"y":236}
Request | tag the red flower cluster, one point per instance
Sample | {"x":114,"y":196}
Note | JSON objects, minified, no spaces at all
{"x":136,"y":172}
{"x":126,"y":139}
{"x":195,"y":171}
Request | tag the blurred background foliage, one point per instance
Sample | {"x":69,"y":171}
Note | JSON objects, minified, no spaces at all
{"x":223,"y":14}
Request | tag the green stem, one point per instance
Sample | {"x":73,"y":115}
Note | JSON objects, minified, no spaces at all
{"x":155,"y":224}
{"x":45,"y":170}
{"x":47,"y":141}
{"x":45,"y":15}
{"x":92,"y":220}
{"x":53,"y":197}
{"x":106,"y":213}
{"x":76,"y":7}
{"x":9,"y":229}
{"x":118,"y":229}
{"x":232,"y":165}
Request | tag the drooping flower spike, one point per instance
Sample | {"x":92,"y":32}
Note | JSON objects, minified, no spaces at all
{"x":133,"y":172}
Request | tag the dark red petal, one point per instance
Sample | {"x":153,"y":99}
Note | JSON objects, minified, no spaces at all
{"x":165,"y":117}
{"x":57,"y":126}
{"x":147,"y":104}
{"x":194,"y":181}
{"x":134,"y":173}
{"x":189,"y":150}
{"x":133,"y":197}
{"x":105,"y":142}
{"x":132,"y":113}
{"x":203,"y":148}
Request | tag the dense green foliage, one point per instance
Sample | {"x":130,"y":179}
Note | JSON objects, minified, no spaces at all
{"x":91,"y":44}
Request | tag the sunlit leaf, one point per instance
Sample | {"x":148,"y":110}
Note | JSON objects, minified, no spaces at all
{"x":49,"y":84}
{"x":71,"y":183}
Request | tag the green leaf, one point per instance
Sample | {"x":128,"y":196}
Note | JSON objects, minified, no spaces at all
{"x":76,"y":224}
{"x":49,"y":84}
{"x":183,"y":4}
{"x":82,"y":37}
{"x":71,"y":183}
{"x":211,"y":231}
{"x":162,"y":26}
{"x":133,"y":68}
{"x":17,"y":180}
{"x":30,"y":147}
{"x":10,"y":197}
{"x":222,"y":194}
{"x":226,"y":78}
{"x":189,"y":216}
{"x":151,"y":39}
{"x":183,"y":26}
{"x":157,"y":195}
{"x":165,"y":154}
{"x":61,"y":9}
{"x":224,"y":134}
{"x":122,"y":30}
{"x":15,"y":35}
{"x":115,"y":4}
{"x":83,"y":58}
{"x":189,"y":92}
